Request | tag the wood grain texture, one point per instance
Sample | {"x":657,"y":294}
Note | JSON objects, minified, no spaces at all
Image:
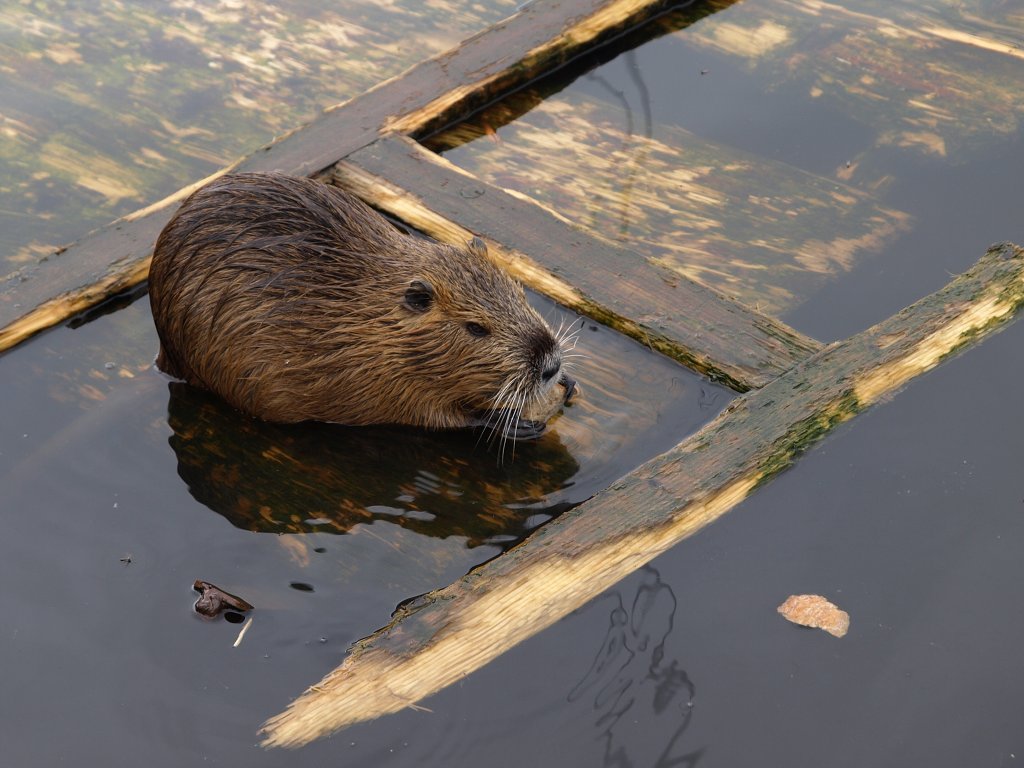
{"x":544,"y":34}
{"x":670,"y":313}
{"x":451,"y":632}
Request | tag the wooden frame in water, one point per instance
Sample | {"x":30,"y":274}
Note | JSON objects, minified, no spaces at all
{"x":800,"y":389}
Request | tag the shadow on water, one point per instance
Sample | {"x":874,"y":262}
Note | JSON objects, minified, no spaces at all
{"x":631,"y":678}
{"x":326,"y":478}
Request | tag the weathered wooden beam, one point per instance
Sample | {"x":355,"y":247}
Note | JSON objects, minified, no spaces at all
{"x":683,"y":319}
{"x":542,"y":35}
{"x":453,"y":631}
{"x":107,"y":262}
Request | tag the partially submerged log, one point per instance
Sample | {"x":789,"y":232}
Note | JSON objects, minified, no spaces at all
{"x":664,"y":310}
{"x":542,"y":35}
{"x":453,"y":631}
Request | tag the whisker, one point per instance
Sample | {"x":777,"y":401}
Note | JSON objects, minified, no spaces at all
{"x":567,"y":332}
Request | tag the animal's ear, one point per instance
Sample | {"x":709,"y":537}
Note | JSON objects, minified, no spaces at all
{"x":478,"y":247}
{"x":419,"y":296}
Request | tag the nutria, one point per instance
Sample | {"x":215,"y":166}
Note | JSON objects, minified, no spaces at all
{"x":292,"y":300}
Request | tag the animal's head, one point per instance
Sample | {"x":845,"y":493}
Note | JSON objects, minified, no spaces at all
{"x":473,"y":343}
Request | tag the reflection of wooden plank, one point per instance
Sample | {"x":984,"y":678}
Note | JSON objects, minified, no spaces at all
{"x":542,"y":35}
{"x":454,"y":631}
{"x":758,"y":230}
{"x":683,"y":319}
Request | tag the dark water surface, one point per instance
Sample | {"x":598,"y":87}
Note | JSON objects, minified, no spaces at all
{"x":121,"y":489}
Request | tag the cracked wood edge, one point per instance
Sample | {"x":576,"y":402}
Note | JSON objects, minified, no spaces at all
{"x":696,"y":325}
{"x":541,"y":36}
{"x":453,"y":631}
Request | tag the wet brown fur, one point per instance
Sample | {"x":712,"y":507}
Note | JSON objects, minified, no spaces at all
{"x":287,"y":297}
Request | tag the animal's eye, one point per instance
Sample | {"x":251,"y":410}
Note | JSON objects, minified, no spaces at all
{"x":477,"y":330}
{"x":419,"y":296}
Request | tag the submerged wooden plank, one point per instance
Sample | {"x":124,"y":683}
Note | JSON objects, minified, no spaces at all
{"x":543,"y":34}
{"x":454,"y":631}
{"x":683,"y":319}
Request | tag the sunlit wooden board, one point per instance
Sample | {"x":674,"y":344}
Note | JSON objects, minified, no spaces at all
{"x":451,"y":632}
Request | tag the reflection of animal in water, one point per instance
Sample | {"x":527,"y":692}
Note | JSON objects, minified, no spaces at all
{"x":295,"y":301}
{"x":630,"y":675}
{"x":325,"y":478}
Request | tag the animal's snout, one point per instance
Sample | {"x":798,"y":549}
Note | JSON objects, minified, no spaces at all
{"x":570,"y":386}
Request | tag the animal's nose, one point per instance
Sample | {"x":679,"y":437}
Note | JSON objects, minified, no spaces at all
{"x":550,"y":371}
{"x":570,"y":386}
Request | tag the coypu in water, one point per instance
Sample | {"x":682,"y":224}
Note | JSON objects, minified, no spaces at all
{"x":295,"y":301}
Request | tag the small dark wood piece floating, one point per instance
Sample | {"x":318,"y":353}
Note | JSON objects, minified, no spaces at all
{"x":213,"y":600}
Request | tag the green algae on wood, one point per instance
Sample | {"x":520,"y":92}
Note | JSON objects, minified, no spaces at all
{"x":453,"y":631}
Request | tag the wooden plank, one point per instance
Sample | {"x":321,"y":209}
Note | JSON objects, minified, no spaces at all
{"x":542,"y":35}
{"x":454,"y":631}
{"x":107,"y":262}
{"x":668,"y":312}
